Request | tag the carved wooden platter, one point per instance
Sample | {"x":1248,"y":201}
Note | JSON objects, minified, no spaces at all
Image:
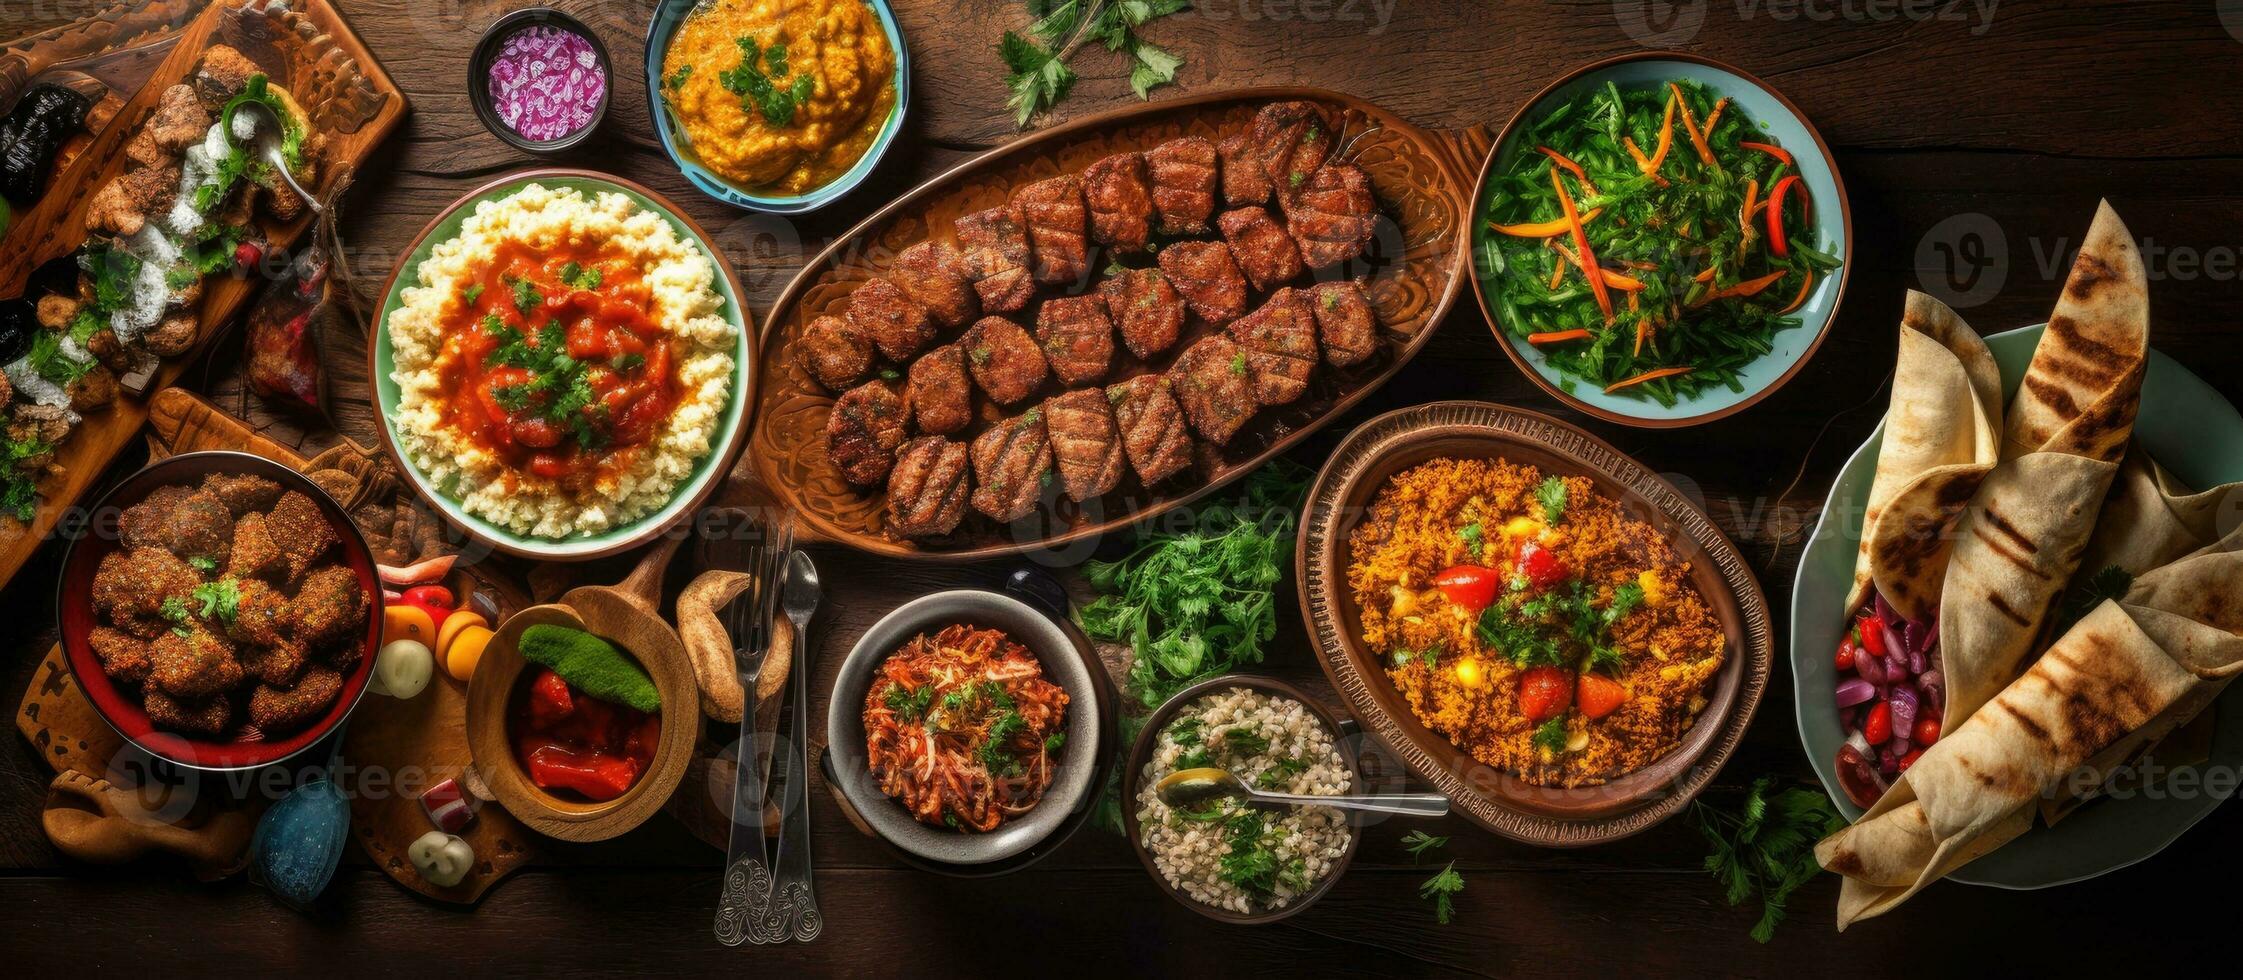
{"x":1340,"y":501}
{"x":1412,"y":271}
{"x":308,"y":47}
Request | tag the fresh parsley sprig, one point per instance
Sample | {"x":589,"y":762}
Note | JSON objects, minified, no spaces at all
{"x":1037,"y":61}
{"x":1767,"y":845}
{"x":1442,"y":890}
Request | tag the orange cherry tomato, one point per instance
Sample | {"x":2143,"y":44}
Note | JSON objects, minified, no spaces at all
{"x":1470,"y":586}
{"x":1545,"y":693}
{"x":1600,"y":696}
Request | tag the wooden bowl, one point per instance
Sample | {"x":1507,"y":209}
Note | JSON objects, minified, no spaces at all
{"x":1412,"y":271}
{"x":124,"y":713}
{"x":1549,"y":816}
{"x":499,"y":676}
{"x":1141,"y":752}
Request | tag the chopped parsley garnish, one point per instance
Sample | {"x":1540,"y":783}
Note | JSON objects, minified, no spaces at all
{"x":19,"y":491}
{"x":474,"y":294}
{"x":909,"y":705}
{"x":1551,"y":495}
{"x":1238,"y":364}
{"x":51,"y":362}
{"x":1551,"y":735}
{"x":1185,"y":731}
{"x":201,"y":564}
{"x":1417,"y":842}
{"x":580,"y":276}
{"x":760,"y":81}
{"x":1475,"y":539}
{"x":526,"y":296}
{"x":1245,"y":742}
{"x":677,"y":78}
{"x":174,"y":609}
{"x":622,"y":363}
{"x":1280,"y":775}
{"x":1055,"y":741}
{"x":560,"y":387}
{"x":994,"y":755}
{"x":1036,"y":63}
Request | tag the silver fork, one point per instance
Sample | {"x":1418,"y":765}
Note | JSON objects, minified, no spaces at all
{"x":744,"y":906}
{"x":795,"y":897}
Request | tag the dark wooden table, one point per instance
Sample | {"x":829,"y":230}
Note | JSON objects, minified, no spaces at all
{"x":1959,"y":135}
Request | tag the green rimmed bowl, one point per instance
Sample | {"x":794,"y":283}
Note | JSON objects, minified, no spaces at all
{"x":2193,"y":432}
{"x":1831,"y":213}
{"x":708,"y":472}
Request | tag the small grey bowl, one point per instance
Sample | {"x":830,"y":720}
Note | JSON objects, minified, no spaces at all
{"x":1070,"y":788}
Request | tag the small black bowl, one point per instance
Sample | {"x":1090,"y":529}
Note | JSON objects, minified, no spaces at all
{"x":479,"y":76}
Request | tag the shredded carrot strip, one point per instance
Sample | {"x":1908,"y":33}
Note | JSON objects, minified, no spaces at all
{"x":1715,"y":116}
{"x":1561,"y":160}
{"x":1748,"y":287}
{"x":1557,"y":336}
{"x":1653,"y":375}
{"x":1706,"y":276}
{"x":1616,"y":280}
{"x":1778,"y":152}
{"x":1666,"y":135}
{"x":1697,"y":136}
{"x":1581,"y":241}
{"x":1543,"y":229}
{"x":1644,"y":330}
{"x":1804,"y":287}
{"x":1744,"y":217}
{"x":1557,"y":272}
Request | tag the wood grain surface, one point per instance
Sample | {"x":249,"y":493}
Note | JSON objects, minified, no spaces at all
{"x":1959,"y":139}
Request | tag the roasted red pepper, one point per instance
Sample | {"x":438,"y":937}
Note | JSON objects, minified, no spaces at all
{"x":1470,"y":586}
{"x":1541,"y":566}
{"x":596,"y":775}
{"x":550,"y":699}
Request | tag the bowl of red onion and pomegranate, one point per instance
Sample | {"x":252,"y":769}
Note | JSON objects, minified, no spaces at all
{"x":1890,"y":695}
{"x":540,"y":80}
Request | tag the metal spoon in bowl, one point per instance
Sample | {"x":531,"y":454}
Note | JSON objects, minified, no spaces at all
{"x":267,"y":142}
{"x":1191,"y":789}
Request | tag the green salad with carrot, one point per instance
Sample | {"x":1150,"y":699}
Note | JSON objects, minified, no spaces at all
{"x":1649,"y":240}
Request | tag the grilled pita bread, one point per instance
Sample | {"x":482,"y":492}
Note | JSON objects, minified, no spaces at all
{"x":1942,"y":435}
{"x":2019,"y":543}
{"x":2124,"y":676}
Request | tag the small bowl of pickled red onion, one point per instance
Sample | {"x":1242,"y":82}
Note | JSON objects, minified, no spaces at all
{"x":540,"y":79}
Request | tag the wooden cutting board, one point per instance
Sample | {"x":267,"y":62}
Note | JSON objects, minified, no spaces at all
{"x":339,"y":84}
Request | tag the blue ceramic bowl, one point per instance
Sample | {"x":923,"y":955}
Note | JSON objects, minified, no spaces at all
{"x":667,"y":18}
{"x":1833,"y":233}
{"x":2185,"y":425}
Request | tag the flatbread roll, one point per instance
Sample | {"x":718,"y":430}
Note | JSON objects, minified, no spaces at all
{"x":2121,"y":678}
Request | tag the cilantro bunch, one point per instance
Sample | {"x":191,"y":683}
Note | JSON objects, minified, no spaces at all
{"x":1038,"y":61}
{"x":1766,"y":846}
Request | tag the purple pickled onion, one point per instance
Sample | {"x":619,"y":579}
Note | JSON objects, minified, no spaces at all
{"x":1934,"y":688}
{"x":1900,"y":746}
{"x":1853,"y":691}
{"x":1894,"y":645}
{"x":546,"y":82}
{"x":1886,"y":614}
{"x":1917,"y":662}
{"x":1903,"y":700}
{"x":1916,"y":635}
{"x":1869,"y":668}
{"x":1896,"y":667}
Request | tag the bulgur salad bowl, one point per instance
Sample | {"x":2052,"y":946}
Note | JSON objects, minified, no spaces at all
{"x":1269,"y":734}
{"x":1610,"y":644}
{"x":563,"y":365}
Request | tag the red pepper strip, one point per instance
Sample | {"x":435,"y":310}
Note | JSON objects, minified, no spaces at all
{"x":1575,"y":168}
{"x":1557,"y":336}
{"x":1801,"y":299}
{"x":1581,"y":241}
{"x":596,"y":775}
{"x":1666,"y":372}
{"x":1776,"y":241}
{"x":1772,"y":150}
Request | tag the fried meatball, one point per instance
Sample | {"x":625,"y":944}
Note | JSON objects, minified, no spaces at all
{"x":1003,"y":359}
{"x":1120,"y":204}
{"x":205,"y":716}
{"x":255,"y":552}
{"x":933,"y":274}
{"x":1280,"y":344}
{"x":995,"y":246}
{"x":1152,"y":427}
{"x":1052,"y":212}
{"x":1077,"y":338}
{"x":1146,"y":310}
{"x":1345,"y":323}
{"x":242,"y":492}
{"x":135,"y":583}
{"x":301,"y":530}
{"x":1332,"y":218}
{"x":123,"y":656}
{"x":278,"y":709}
{"x":1213,"y":384}
{"x":1261,"y":247}
{"x":898,"y":325}
{"x":328,"y":608}
{"x":1183,"y":178}
{"x":192,"y":663}
{"x":1010,"y":460}
{"x":928,"y":490}
{"x":834,"y":352}
{"x":1208,"y":279}
{"x":56,"y":311}
{"x":1084,"y":442}
{"x":863,"y":430}
{"x":941,"y":394}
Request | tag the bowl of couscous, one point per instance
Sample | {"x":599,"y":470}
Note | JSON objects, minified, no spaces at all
{"x":1544,"y":629}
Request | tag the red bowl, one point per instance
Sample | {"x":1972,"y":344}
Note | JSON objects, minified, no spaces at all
{"x":97,"y":537}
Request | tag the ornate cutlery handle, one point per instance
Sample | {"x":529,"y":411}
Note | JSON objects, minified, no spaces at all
{"x":744,"y":911}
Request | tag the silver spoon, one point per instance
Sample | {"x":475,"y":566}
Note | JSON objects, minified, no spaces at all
{"x":794,"y":896}
{"x":268,"y":139}
{"x":1191,"y":789}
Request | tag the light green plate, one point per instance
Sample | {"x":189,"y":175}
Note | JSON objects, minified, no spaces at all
{"x":731,"y":431}
{"x":2186,"y":426}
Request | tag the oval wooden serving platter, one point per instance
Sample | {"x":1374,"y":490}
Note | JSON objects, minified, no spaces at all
{"x":1340,"y":501}
{"x":1412,"y":271}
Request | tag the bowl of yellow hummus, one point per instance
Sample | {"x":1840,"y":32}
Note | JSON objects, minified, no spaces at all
{"x":776,"y":105}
